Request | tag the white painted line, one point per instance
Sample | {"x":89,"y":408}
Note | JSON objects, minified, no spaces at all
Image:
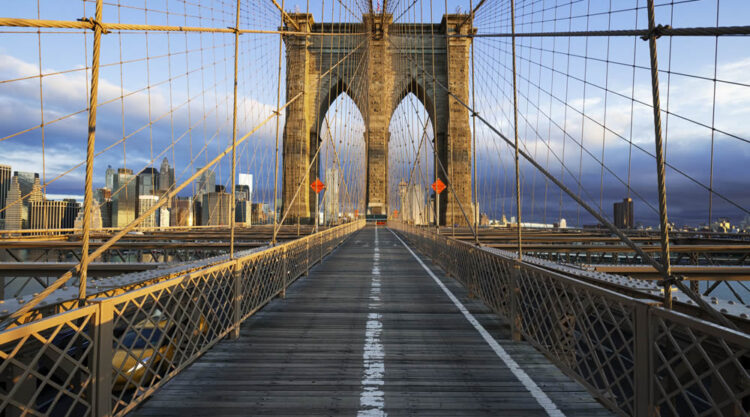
{"x":372,"y":398}
{"x":544,"y":401}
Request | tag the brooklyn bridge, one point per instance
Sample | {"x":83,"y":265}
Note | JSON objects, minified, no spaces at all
{"x":348,"y":207}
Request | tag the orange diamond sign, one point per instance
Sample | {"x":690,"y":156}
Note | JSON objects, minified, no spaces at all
{"x":318,"y":185}
{"x":438,"y":186}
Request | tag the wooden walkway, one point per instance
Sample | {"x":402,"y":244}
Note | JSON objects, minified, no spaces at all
{"x":371,"y":333}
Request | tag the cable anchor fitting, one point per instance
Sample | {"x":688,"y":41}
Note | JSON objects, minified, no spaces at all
{"x":671,"y":280}
{"x":94,"y":24}
{"x":656,"y":32}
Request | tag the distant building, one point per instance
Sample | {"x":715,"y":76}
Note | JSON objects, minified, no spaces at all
{"x":24,"y":189}
{"x":484,"y":220}
{"x":243,"y":212}
{"x":96,"y":218}
{"x":145,"y":202}
{"x":103,"y":198}
{"x":197,"y":212}
{"x":166,"y":176}
{"x":163,"y":217}
{"x":5,"y":177}
{"x":109,"y":177}
{"x":259,"y":215}
{"x":623,"y":214}
{"x":412,"y":204}
{"x":215,"y":208}
{"x":246,"y":180}
{"x":242,"y":192}
{"x":182,"y":212}
{"x":331,"y":197}
{"x":45,"y":215}
{"x":124,"y":198}
{"x":206,"y":182}
{"x":147,"y":183}
{"x":14,"y":211}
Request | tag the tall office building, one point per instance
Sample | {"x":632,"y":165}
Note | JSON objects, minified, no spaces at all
{"x":206,"y":183}
{"x":148,"y":182}
{"x":166,"y":176}
{"x":14,"y":213}
{"x":215,"y":208}
{"x":124,"y":198}
{"x":331,"y":197}
{"x":243,"y":211}
{"x":103,"y":198}
{"x":25,"y":189}
{"x":49,"y":214}
{"x":46,"y":215}
{"x":145,"y":202}
{"x":246,"y":180}
{"x":412,"y":204}
{"x":109,"y":177}
{"x":5,"y":176}
{"x":623,"y":214}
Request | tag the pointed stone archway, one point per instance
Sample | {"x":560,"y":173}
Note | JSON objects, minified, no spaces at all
{"x":377,"y":71}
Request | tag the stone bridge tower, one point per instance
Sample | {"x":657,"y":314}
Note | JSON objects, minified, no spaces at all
{"x":377,"y":70}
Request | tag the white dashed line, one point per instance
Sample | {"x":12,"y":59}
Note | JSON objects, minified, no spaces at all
{"x":372,"y":398}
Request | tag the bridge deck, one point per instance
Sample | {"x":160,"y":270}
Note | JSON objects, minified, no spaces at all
{"x":370,"y":332}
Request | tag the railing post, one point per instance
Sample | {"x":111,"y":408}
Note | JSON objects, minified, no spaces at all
{"x":307,"y":257}
{"x":237,"y":300}
{"x":643,"y":363}
{"x":101,"y":401}
{"x":284,"y":273}
{"x":515,"y":301}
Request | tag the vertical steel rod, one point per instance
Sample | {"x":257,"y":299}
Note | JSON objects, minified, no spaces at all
{"x":515,"y":127}
{"x":663,"y":219}
{"x":233,"y":191}
{"x":89,"y":186}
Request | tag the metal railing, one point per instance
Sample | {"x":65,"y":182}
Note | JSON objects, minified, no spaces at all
{"x":104,"y":358}
{"x":636,"y":357}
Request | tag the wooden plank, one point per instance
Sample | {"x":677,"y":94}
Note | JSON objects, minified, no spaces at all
{"x":303,"y":355}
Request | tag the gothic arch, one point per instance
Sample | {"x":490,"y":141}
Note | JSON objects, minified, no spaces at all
{"x":373,"y":77}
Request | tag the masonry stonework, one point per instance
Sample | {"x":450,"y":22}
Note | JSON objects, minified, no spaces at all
{"x":377,"y":71}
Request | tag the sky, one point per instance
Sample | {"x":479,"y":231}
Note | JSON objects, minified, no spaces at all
{"x":170,"y":95}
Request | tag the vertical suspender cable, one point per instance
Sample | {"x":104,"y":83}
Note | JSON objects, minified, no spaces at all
{"x":89,"y":190}
{"x":659,"y":151}
{"x":515,"y":126}
{"x":233,"y":191}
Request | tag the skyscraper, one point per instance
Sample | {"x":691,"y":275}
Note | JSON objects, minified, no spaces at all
{"x":215,"y":208}
{"x":109,"y":177}
{"x":206,"y":182}
{"x":148,"y":182}
{"x":246,"y":180}
{"x":145,"y":202}
{"x":14,"y":213}
{"x":5,"y":175}
{"x":623,"y":214}
{"x":332,"y":195}
{"x":124,"y":198}
{"x":166,"y":176}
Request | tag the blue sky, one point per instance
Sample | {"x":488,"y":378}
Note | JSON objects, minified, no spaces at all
{"x":194,"y":81}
